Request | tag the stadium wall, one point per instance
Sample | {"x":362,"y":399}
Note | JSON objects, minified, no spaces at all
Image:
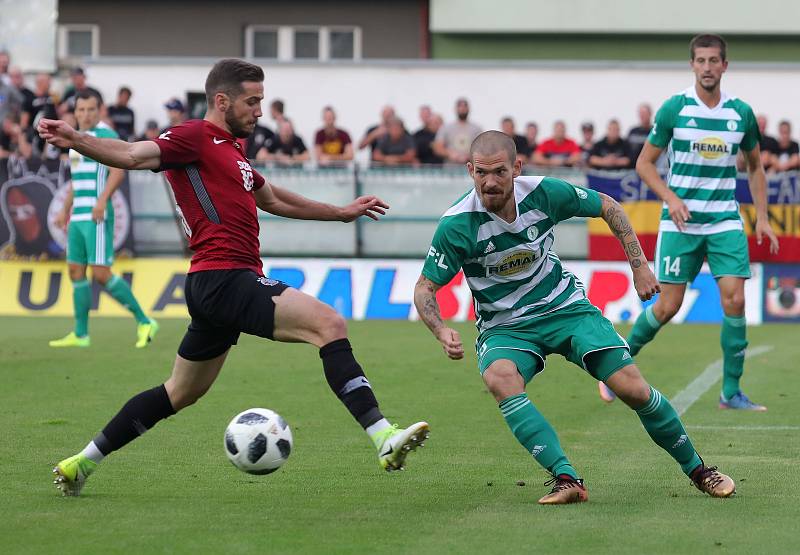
{"x":383,"y":289}
{"x":542,"y":92}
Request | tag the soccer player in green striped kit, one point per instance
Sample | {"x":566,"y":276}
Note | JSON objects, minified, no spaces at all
{"x":528,"y":306}
{"x":704,"y":129}
{"x":90,"y":234}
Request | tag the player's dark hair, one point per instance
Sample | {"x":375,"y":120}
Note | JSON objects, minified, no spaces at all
{"x":490,"y":142}
{"x":227,"y":77}
{"x":785,"y":122}
{"x":709,"y":41}
{"x":277,"y":105}
{"x":125,"y":90}
{"x":86,"y":94}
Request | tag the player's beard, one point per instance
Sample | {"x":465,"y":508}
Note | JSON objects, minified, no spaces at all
{"x":238,"y":130}
{"x":496,"y":202}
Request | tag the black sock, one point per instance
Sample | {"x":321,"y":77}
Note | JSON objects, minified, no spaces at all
{"x":138,"y":415}
{"x":347,"y":380}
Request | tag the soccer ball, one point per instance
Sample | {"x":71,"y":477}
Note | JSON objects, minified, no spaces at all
{"x":258,"y":441}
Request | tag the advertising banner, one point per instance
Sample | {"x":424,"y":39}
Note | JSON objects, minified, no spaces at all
{"x":644,"y":210}
{"x":360,"y":289}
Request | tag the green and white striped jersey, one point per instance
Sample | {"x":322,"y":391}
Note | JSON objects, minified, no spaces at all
{"x":703,"y":144}
{"x":510,"y":267}
{"x":89,"y":179}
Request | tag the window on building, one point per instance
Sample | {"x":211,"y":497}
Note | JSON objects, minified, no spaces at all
{"x":78,"y":41}
{"x":288,"y":43}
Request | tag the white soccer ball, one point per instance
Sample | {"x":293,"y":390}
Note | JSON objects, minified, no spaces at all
{"x":258,"y":441}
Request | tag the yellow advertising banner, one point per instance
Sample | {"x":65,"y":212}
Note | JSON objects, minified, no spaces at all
{"x":43,"y":288}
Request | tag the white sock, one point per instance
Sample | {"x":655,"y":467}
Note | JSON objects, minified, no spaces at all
{"x":379,"y":426}
{"x":92,"y":453}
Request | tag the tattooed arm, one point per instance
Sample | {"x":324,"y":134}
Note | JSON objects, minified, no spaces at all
{"x":428,"y":310}
{"x":643,"y":278}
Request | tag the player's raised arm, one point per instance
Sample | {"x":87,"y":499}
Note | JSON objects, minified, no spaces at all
{"x":643,"y":278}
{"x":428,"y":310}
{"x":758,"y":189}
{"x":282,"y":202}
{"x":142,"y":155}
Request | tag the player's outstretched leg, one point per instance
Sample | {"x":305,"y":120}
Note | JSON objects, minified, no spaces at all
{"x":81,"y":301}
{"x":188,"y":382}
{"x":665,"y":428}
{"x":300,"y":317}
{"x":534,"y":433}
{"x":119,"y":289}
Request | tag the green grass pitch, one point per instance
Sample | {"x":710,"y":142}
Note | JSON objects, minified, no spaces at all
{"x":174,"y":491}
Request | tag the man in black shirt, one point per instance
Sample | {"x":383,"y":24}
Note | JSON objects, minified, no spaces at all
{"x":121,"y":116}
{"x":18,"y":82}
{"x":638,"y":135}
{"x":507,"y":126}
{"x":787,"y":155}
{"x":612,"y":152}
{"x":768,"y":145}
{"x":78,"y":77}
{"x":288,"y":149}
{"x":259,"y":143}
{"x":423,"y":139}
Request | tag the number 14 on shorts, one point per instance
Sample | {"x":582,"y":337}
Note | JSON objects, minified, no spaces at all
{"x":672,"y":266}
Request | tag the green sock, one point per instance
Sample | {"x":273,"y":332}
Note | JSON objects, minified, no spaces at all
{"x":665,"y":428}
{"x":81,"y":300}
{"x":119,"y":289}
{"x":644,"y":330}
{"x":733,"y":339}
{"x":535,"y":434}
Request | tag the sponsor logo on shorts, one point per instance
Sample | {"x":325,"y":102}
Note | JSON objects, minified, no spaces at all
{"x":711,"y":148}
{"x":267,"y":281}
{"x":513,"y":264}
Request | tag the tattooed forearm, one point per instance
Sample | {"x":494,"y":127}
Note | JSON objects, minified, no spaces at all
{"x":425,"y":302}
{"x":621,"y":226}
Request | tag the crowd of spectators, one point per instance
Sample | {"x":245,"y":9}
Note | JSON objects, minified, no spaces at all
{"x":390,"y":142}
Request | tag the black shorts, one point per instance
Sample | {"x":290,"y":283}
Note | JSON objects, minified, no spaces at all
{"x":223,"y":303}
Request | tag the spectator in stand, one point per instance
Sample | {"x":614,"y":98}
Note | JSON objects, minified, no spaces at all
{"x":531,"y":135}
{"x":18,"y":82}
{"x":768,"y":145}
{"x":423,"y":141}
{"x":332,"y":146}
{"x":121,"y":116}
{"x":638,"y":135}
{"x":258,"y":143}
{"x":78,"y":78}
{"x":558,"y":150}
{"x":507,"y":126}
{"x":176,"y":113}
{"x":13,"y":141}
{"x":376,"y":132}
{"x":787,"y":157}
{"x":454,"y":139}
{"x":425,"y":115}
{"x":276,"y":108}
{"x":612,"y":152}
{"x":396,"y":147}
{"x":287,"y":149}
{"x":587,"y":142}
{"x":151,"y":131}
{"x":42,"y":102}
{"x":5,"y":61}
{"x":10,"y":100}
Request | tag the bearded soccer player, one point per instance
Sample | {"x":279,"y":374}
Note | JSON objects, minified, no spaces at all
{"x":705,"y":128}
{"x":217,"y":193}
{"x":528,"y":306}
{"x":90,"y":233}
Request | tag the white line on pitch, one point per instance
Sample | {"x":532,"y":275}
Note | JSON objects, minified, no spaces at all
{"x":702,"y":383}
{"x":745,"y":428}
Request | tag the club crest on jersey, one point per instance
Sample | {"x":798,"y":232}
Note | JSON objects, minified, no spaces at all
{"x":513,"y":264}
{"x":247,"y":175}
{"x":711,"y":148}
{"x":731,"y":125}
{"x":533,"y":233}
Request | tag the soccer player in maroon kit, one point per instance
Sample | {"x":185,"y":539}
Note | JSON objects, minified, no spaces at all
{"x":217,"y":193}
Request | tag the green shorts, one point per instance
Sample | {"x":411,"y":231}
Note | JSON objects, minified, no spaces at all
{"x":90,"y":243}
{"x":579,"y":332}
{"x":679,"y":256}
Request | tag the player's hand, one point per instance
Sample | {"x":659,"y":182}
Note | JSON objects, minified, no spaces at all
{"x":763,"y":228}
{"x":61,"y":220}
{"x":678,"y":212}
{"x":56,"y":132}
{"x":645,"y":283}
{"x":369,"y":205}
{"x":451,"y":343}
{"x":99,"y":212}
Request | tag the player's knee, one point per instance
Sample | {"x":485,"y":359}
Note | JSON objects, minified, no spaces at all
{"x":503,"y":380}
{"x":630,"y":386}
{"x":669,"y":308}
{"x":77,"y":274}
{"x":733,"y":304}
{"x":331,"y":326}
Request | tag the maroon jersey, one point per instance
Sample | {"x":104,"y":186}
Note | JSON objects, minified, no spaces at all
{"x":213,"y":185}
